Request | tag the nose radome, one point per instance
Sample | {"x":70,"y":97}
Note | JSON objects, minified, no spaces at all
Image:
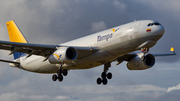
{"x":159,"y":30}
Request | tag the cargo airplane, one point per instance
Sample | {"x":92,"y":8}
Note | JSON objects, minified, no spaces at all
{"x":112,"y":45}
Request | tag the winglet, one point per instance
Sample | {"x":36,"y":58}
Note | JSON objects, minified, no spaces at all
{"x":172,"y":50}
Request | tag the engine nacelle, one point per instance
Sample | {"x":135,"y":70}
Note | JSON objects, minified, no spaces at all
{"x":141,"y":62}
{"x":63,"y":55}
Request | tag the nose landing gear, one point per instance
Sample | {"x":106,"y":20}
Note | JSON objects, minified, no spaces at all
{"x":144,"y":50}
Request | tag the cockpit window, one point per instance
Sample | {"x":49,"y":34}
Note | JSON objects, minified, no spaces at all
{"x":155,"y":23}
{"x":149,"y":24}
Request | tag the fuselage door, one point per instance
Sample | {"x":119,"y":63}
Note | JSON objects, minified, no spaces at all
{"x":136,"y":27}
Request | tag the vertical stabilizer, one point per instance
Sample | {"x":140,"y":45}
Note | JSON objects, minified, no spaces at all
{"x":15,"y":35}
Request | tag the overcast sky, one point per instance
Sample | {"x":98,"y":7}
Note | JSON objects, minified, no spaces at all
{"x":59,"y":21}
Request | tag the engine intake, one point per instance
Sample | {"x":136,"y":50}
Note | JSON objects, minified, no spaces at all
{"x":63,"y":55}
{"x":141,"y":62}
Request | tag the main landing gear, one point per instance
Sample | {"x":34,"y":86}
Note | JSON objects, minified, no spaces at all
{"x":60,"y":73}
{"x":104,"y":75}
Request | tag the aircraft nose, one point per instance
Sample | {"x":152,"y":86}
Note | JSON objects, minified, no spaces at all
{"x":159,"y":30}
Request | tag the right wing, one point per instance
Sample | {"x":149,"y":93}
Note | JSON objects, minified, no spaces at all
{"x":129,"y":56}
{"x":172,"y":52}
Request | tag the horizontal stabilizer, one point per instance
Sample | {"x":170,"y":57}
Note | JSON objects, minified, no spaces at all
{"x":9,"y":61}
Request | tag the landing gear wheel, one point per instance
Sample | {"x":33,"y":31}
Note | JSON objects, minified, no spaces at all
{"x":65,"y":72}
{"x":109,"y":75}
{"x":103,"y":75}
{"x":59,"y":71}
{"x":99,"y":81}
{"x":104,"y":81}
{"x":60,"y":78}
{"x":54,"y":77}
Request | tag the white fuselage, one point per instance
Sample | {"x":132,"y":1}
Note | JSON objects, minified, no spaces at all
{"x":112,"y":43}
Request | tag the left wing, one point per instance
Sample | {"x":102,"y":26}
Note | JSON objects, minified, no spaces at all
{"x":36,"y":49}
{"x":41,"y":49}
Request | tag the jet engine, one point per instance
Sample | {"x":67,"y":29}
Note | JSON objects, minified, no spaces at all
{"x":141,"y":62}
{"x":63,"y":55}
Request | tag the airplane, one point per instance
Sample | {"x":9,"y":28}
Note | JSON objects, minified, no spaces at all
{"x":102,"y":48}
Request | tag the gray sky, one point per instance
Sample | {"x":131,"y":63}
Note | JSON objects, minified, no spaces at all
{"x":58,"y":21}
